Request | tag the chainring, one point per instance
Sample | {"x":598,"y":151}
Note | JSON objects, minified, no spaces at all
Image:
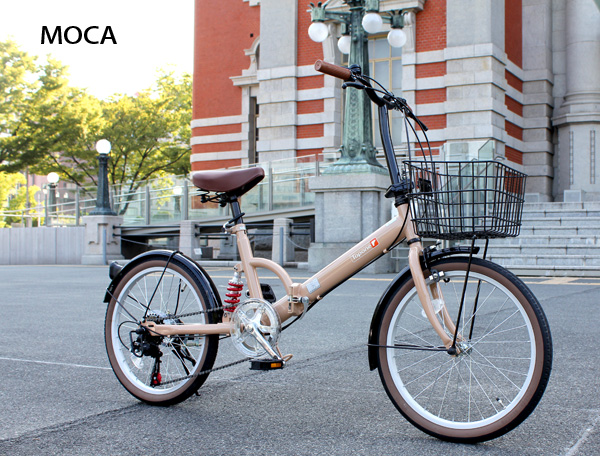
{"x":254,"y":314}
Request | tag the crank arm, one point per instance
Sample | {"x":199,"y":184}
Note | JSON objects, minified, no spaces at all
{"x":252,"y":329}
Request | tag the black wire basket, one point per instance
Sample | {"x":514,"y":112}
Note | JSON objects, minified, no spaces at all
{"x":458,"y":199}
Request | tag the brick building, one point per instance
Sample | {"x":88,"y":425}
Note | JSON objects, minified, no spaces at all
{"x":516,"y":79}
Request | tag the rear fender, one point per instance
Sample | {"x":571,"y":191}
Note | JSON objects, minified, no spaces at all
{"x":117,"y":273}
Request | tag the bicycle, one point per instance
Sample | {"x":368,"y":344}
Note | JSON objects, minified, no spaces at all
{"x":462,"y":346}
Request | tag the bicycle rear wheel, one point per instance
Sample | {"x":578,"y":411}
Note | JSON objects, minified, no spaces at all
{"x":159,"y":370}
{"x":503,"y":368}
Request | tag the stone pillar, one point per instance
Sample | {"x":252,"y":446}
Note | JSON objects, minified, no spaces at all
{"x":475,"y":75}
{"x":96,"y":245}
{"x":578,"y":119}
{"x":347,"y":209}
{"x":188,"y":241}
{"x":281,"y":240}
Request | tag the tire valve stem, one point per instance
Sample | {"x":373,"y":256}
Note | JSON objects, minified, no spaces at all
{"x":234,"y":291}
{"x":500,"y":402}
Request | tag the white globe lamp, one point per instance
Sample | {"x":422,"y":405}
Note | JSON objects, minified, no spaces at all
{"x":397,"y":38}
{"x":318,"y":32}
{"x":103,"y":147}
{"x":53,"y":178}
{"x":372,"y":22}
{"x":344,"y":44}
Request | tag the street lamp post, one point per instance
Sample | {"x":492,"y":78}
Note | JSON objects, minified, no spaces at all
{"x":102,"y":199}
{"x":357,"y":151}
{"x":53,"y":179}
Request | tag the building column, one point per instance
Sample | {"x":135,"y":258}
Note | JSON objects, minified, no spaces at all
{"x":578,"y":119}
{"x":277,"y":80}
{"x":538,"y":84}
{"x":475,"y":78}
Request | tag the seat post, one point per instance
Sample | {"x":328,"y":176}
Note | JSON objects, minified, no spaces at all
{"x":236,"y":211}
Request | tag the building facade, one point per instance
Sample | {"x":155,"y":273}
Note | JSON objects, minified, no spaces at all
{"x":516,"y":80}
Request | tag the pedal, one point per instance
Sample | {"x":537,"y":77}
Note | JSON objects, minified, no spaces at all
{"x":267,"y":364}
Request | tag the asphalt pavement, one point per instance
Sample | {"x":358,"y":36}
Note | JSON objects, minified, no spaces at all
{"x":60,"y":397}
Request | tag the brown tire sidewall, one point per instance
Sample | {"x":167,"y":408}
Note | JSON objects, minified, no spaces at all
{"x":132,"y":388}
{"x":452,"y":433}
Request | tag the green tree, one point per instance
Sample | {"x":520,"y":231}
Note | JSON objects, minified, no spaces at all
{"x":29,"y":96}
{"x":13,"y":196}
{"x":149,"y":133}
{"x":49,"y":126}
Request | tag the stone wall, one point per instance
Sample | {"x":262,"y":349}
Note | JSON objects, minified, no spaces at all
{"x":43,"y":245}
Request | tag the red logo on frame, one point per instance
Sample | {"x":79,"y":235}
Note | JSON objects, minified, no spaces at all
{"x":374,"y":242}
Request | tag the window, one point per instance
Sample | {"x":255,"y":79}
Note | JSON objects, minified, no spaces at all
{"x":385,"y":65}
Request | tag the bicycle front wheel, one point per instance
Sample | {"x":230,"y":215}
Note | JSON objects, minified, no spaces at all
{"x":503,"y":366}
{"x":159,"y":370}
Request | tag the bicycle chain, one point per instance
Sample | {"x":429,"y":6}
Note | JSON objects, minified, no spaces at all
{"x":208,"y":371}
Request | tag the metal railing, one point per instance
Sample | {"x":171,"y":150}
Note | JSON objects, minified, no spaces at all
{"x":75,"y":204}
{"x":174,"y":198}
{"x":170,"y":199}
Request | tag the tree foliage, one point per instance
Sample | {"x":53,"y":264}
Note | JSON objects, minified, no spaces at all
{"x":14,"y":195}
{"x":28,"y":97}
{"x":50,"y":126}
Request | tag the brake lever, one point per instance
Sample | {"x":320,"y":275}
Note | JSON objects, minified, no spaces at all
{"x":408,"y":112}
{"x":355,"y":85}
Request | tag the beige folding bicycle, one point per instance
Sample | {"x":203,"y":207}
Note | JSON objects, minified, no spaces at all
{"x":462,"y":346}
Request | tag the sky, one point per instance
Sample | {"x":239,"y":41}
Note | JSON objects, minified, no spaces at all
{"x":150,"y":34}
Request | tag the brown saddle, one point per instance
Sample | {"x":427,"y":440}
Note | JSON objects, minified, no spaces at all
{"x":234,"y":182}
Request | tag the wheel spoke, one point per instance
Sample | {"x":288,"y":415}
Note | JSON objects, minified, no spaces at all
{"x":486,"y":379}
{"x":180,"y":356}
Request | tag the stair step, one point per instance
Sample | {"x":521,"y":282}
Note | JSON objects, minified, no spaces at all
{"x":550,"y":239}
{"x":579,"y":221}
{"x":537,"y":250}
{"x":545,"y":260}
{"x":555,"y":271}
{"x":562,"y":214}
{"x":560,"y":230}
{"x":588,"y":205}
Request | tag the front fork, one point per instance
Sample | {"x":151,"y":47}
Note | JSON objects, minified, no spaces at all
{"x":425,"y":291}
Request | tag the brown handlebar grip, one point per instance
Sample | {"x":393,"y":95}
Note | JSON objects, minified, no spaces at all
{"x":333,"y":70}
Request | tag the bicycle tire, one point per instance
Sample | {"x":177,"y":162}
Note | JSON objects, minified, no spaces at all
{"x":497,"y":380}
{"x":172,"y":289}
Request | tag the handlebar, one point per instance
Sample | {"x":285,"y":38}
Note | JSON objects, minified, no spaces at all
{"x":333,"y":70}
{"x":357,"y":81}
{"x":353,"y":77}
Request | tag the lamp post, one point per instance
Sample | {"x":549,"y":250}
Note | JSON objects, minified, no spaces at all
{"x":102,"y":199}
{"x":53,"y":179}
{"x":177,"y":192}
{"x":357,"y":151}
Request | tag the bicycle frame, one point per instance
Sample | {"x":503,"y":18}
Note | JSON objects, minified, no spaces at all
{"x":299,"y":296}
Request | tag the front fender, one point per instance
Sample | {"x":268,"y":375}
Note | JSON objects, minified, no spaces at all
{"x":393,"y":288}
{"x":199,"y":273}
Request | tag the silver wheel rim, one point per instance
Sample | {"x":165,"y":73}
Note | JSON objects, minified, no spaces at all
{"x":140,"y":288}
{"x":492,"y":366}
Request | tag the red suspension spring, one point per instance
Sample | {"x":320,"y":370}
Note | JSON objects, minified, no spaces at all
{"x":234,"y":292}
